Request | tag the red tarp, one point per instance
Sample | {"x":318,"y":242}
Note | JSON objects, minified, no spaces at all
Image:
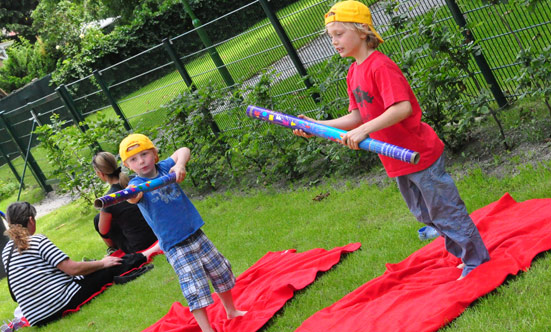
{"x":421,"y":293}
{"x":261,"y":290}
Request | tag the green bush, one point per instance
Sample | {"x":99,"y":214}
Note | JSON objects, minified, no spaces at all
{"x":7,"y":189}
{"x":254,"y":152}
{"x":25,"y":62}
{"x":70,"y":152}
{"x":534,"y":75}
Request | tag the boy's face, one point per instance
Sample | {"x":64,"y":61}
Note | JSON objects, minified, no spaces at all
{"x":143,"y":163}
{"x":347,"y":42}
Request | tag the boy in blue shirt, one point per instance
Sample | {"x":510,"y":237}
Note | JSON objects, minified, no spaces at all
{"x":177,"y":225}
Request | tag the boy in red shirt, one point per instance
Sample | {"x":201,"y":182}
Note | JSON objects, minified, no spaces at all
{"x":383,"y":106}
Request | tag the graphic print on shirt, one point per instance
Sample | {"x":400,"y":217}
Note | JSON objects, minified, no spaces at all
{"x":362,"y":96}
{"x":165,"y":194}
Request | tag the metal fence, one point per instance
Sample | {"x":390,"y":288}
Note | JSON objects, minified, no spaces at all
{"x":289,"y":42}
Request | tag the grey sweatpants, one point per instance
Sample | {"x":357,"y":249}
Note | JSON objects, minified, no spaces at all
{"x":432,"y":197}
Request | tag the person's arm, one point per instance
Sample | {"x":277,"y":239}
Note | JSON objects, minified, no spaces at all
{"x":346,"y":122}
{"x":74,"y":268}
{"x":181,"y":158}
{"x":390,"y":117}
{"x":104,"y":226}
{"x":135,"y":200}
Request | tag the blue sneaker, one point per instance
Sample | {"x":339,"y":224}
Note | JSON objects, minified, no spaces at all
{"x":427,"y":233}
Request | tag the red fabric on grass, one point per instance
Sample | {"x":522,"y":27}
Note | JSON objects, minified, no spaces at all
{"x":421,"y":293}
{"x":261,"y":290}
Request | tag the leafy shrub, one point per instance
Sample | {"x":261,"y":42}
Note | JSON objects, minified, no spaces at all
{"x":70,"y":152}
{"x":440,"y":81}
{"x":25,"y":62}
{"x":7,"y":189}
{"x":255,"y":152}
{"x":190,"y":123}
{"x":534,"y":74}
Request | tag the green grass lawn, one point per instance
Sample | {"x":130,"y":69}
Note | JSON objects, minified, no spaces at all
{"x":247,"y":225}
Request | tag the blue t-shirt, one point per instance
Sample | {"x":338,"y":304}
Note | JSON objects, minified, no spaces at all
{"x":168,"y":210}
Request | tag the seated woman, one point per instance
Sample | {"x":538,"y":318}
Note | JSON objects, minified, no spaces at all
{"x":122,"y":225}
{"x":42,"y":279}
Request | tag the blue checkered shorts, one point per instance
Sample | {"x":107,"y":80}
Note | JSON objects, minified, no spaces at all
{"x":196,"y":261}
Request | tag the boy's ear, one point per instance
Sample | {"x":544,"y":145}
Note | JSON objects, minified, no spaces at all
{"x":156,"y":155}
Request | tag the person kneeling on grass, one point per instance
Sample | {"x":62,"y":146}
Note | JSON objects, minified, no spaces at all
{"x":42,"y":279}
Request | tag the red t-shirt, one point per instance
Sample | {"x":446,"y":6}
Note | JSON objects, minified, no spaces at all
{"x":373,"y":87}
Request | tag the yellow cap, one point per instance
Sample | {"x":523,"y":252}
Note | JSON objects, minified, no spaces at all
{"x":139,"y":142}
{"x":351,"y":11}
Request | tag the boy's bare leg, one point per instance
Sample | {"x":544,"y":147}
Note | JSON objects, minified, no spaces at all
{"x":151,"y":250}
{"x":227,"y":301}
{"x":202,"y":319}
{"x":461,"y":266}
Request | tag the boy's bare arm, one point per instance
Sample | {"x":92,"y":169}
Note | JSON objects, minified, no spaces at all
{"x":181,"y":158}
{"x":346,"y":122}
{"x":390,"y":117}
{"x":136,"y":199}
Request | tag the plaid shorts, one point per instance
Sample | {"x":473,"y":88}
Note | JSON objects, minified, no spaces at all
{"x":196,"y":261}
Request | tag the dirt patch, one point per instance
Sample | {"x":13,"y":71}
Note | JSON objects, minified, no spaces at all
{"x":52,"y":201}
{"x":487,"y":152}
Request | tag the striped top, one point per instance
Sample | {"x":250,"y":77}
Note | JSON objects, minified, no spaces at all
{"x":39,"y":287}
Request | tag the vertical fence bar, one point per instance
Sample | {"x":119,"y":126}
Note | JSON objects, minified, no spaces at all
{"x":112,"y":101}
{"x":288,"y":46}
{"x":35,"y":169}
{"x":77,"y":117}
{"x":167,"y":43}
{"x":208,"y":44}
{"x":21,"y":184}
{"x":479,"y":58}
{"x":13,"y":170}
{"x":71,"y":107}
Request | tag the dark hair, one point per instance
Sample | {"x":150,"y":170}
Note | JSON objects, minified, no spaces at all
{"x":18,"y":215}
{"x":106,"y":163}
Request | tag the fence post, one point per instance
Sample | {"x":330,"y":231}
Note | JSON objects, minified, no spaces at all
{"x":70,"y":105}
{"x":208,"y":44}
{"x":112,"y":101}
{"x":13,"y":170}
{"x":75,"y":114}
{"x":288,"y":46}
{"x":167,"y":42}
{"x":35,"y":169}
{"x":479,"y":58}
